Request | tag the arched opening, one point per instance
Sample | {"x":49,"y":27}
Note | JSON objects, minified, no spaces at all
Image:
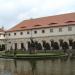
{"x":73,"y":45}
{"x":70,"y":42}
{"x":56,"y":46}
{"x":65,"y":46}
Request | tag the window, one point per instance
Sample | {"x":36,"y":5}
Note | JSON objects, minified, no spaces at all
{"x":22,"y":45}
{"x":21,"y":33}
{"x":60,"y":29}
{"x":37,"y":25}
{"x":14,"y":33}
{"x":9,"y":34}
{"x":35,"y":32}
{"x":27,"y":32}
{"x":51,"y":30}
{"x":69,"y":28}
{"x":15,"y":44}
{"x":43,"y":31}
{"x":4,"y":35}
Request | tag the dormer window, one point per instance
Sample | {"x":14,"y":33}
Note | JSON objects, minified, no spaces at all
{"x":69,"y":21}
{"x":23,"y":27}
{"x":37,"y":25}
{"x":52,"y":23}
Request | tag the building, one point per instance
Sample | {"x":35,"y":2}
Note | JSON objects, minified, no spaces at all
{"x":2,"y":39}
{"x":49,"y":29}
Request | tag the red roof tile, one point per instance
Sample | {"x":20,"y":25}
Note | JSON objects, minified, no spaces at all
{"x":57,"y":20}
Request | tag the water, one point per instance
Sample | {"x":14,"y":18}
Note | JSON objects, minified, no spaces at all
{"x":37,"y":67}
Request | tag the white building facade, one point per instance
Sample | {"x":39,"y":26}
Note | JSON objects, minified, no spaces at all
{"x":52,"y":28}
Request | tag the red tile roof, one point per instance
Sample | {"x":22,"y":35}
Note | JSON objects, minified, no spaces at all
{"x":50,"y":21}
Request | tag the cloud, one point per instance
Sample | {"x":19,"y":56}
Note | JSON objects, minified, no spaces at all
{"x":14,"y":11}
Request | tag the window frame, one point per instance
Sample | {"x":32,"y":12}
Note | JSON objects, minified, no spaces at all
{"x":51,"y":30}
{"x":69,"y":28}
{"x":60,"y":29}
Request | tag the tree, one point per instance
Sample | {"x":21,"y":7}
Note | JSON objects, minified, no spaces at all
{"x":48,"y":46}
{"x":70,"y":42}
{"x":39,"y":46}
{"x":36,"y":45}
{"x":56,"y":46}
{"x":3,"y":47}
{"x":32,"y":44}
{"x":65,"y":46}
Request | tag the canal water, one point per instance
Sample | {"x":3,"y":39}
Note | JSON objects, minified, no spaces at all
{"x":37,"y":67}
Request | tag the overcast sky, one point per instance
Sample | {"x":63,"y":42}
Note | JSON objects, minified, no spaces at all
{"x":14,"y":11}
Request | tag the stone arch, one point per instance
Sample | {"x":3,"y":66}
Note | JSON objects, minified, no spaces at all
{"x":52,"y":44}
{"x":61,"y":42}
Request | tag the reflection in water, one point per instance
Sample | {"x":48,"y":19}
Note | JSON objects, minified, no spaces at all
{"x":33,"y":66}
{"x":37,"y":67}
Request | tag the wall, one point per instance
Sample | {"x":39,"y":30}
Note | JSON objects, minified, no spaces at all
{"x":55,"y":35}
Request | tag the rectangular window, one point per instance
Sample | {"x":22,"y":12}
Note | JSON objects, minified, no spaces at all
{"x":51,"y":30}
{"x":21,"y":33}
{"x":22,"y":45}
{"x":69,"y":28}
{"x":60,"y":29}
{"x":15,"y":46}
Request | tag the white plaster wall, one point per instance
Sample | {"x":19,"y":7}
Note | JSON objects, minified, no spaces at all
{"x":2,"y":35}
{"x":55,"y":35}
{"x":40,"y":34}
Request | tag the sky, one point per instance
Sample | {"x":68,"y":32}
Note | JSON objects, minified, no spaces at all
{"x":13,"y":12}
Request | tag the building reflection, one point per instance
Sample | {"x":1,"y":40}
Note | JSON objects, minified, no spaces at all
{"x":37,"y":67}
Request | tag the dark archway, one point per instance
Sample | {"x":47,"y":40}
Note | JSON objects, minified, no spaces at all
{"x":65,"y":46}
{"x":56,"y":46}
{"x":70,"y":42}
{"x":73,"y":45}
